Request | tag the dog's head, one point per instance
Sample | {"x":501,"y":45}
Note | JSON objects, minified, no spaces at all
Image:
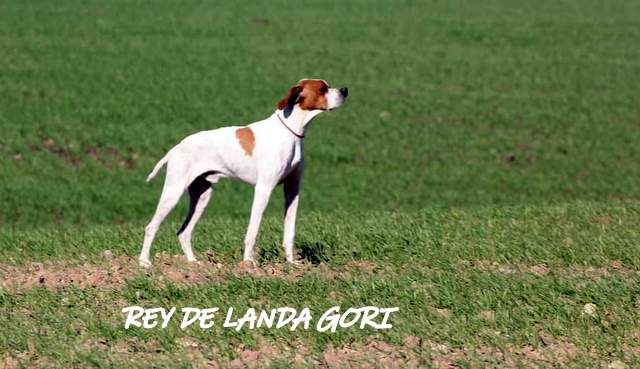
{"x":312,"y":94}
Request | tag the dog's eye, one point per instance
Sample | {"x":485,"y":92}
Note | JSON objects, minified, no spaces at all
{"x":324,"y":89}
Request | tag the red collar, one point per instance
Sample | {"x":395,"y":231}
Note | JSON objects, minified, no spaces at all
{"x":287,"y":127}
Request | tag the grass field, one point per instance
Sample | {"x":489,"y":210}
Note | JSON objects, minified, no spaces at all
{"x":484,"y":177}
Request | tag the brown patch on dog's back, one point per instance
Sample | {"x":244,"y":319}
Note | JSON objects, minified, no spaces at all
{"x":247,"y":139}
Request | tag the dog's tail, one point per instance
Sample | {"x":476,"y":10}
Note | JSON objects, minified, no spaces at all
{"x":155,"y":170}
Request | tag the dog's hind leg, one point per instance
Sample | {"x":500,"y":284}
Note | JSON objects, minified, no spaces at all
{"x":200,"y":191}
{"x":291,"y":197}
{"x":173,"y":188}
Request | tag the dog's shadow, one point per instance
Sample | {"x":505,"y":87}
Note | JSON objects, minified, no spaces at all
{"x":314,"y":252}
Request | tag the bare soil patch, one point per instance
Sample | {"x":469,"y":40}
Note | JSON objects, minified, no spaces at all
{"x":107,"y":156}
{"x":112,"y":271}
{"x":582,"y":271}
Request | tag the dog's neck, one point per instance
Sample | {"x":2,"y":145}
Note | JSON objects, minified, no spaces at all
{"x":299,"y":119}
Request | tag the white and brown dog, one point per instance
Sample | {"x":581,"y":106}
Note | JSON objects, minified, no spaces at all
{"x":263,"y":154}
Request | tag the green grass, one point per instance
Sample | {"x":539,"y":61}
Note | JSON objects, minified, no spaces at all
{"x":479,"y":140}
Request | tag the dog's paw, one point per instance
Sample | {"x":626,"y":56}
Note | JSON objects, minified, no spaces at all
{"x":295,"y":263}
{"x":144,"y":263}
{"x":194,"y":263}
{"x":247,"y":264}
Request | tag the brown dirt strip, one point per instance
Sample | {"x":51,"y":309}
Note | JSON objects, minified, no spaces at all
{"x":78,"y":155}
{"x":113,"y":271}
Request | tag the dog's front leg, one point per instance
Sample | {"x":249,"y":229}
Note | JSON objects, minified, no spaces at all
{"x":261,"y":196}
{"x":291,"y":196}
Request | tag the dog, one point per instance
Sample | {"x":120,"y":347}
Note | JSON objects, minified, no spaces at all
{"x":263,"y":154}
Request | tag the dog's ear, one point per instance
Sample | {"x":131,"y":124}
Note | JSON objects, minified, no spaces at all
{"x":289,"y":100}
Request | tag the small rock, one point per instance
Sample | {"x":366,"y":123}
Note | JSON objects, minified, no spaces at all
{"x":589,"y":309}
{"x":439,"y":348}
{"x":37,"y":266}
{"x":108,"y":254}
{"x":186,"y":342}
{"x":385,"y":115}
{"x":48,"y":142}
{"x":617,"y":365}
{"x":540,"y":269}
{"x":506,"y":270}
{"x":488,"y":315}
